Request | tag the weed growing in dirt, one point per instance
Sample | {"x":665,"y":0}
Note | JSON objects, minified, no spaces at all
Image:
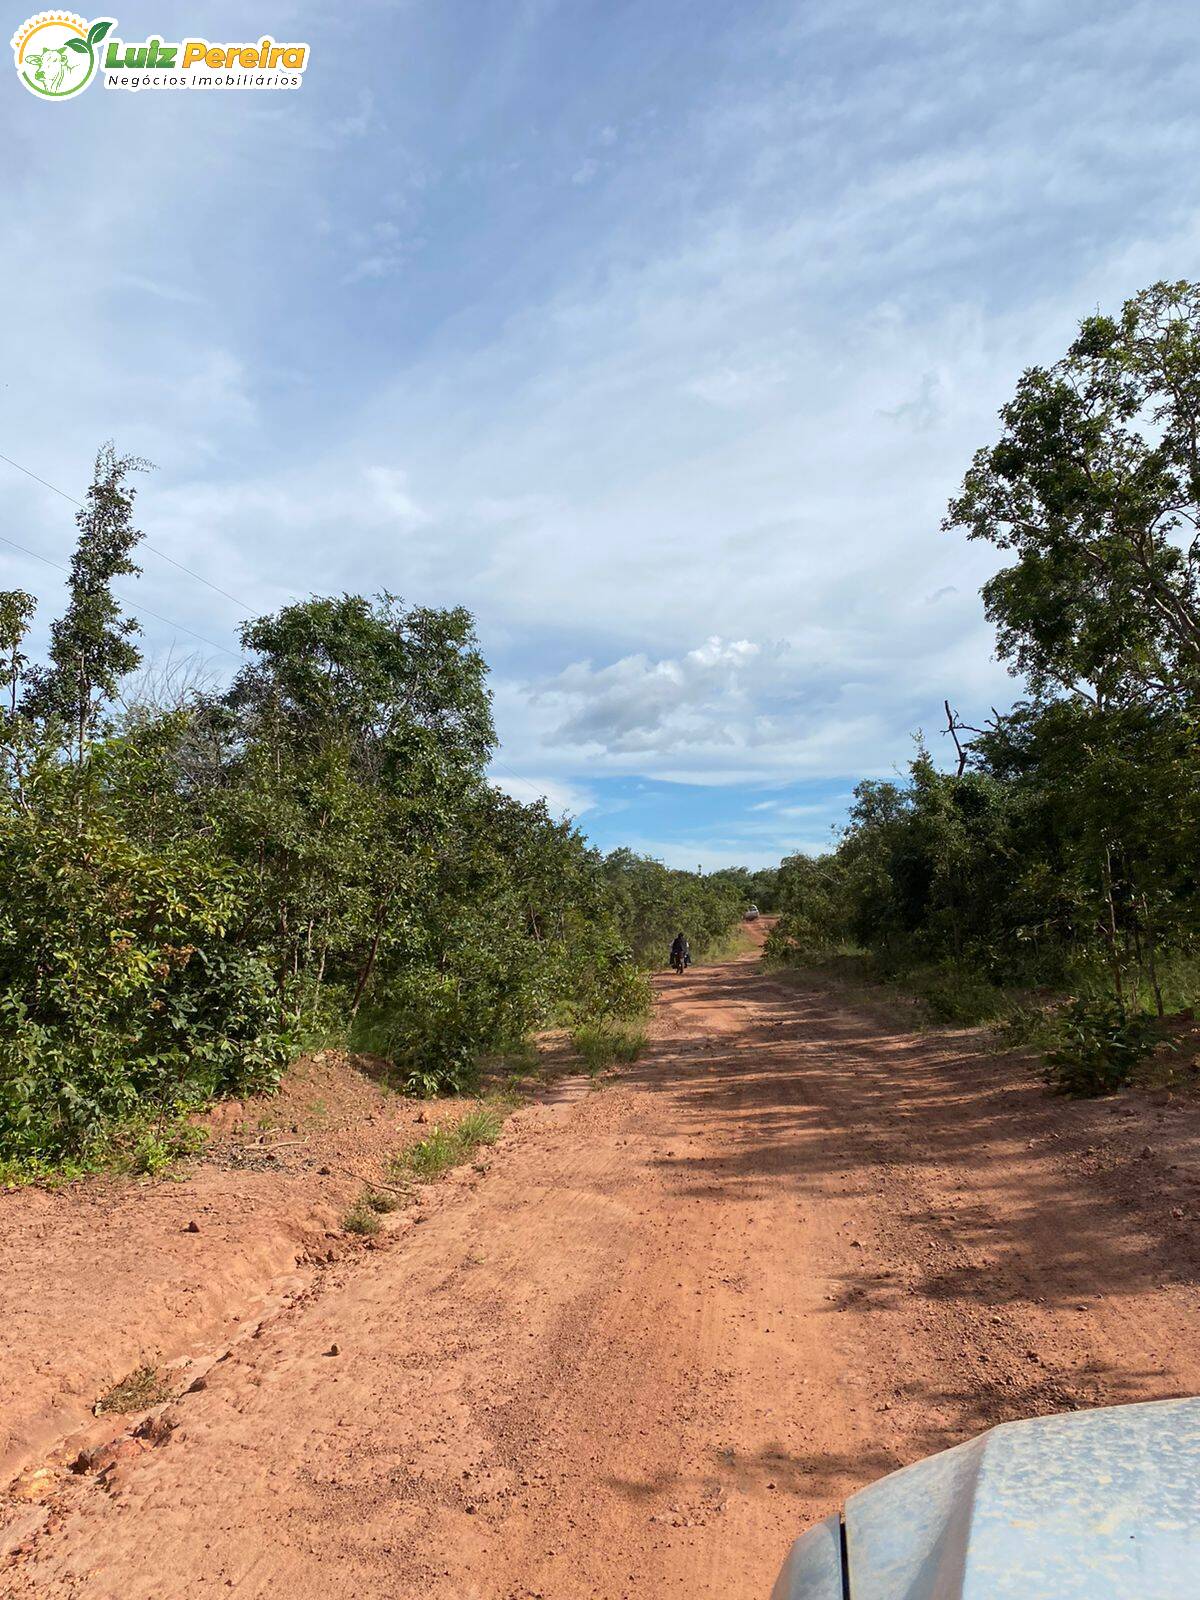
{"x":153,"y":1151}
{"x":737,"y":941}
{"x":602,"y":1046}
{"x":958,"y":995}
{"x":145,"y":1386}
{"x":480,"y":1125}
{"x":1027,"y":1027}
{"x":362,"y":1219}
{"x":138,"y":1149}
{"x":380,"y":1203}
{"x":443,"y":1148}
{"x":504,"y":1099}
{"x":430,"y":1156}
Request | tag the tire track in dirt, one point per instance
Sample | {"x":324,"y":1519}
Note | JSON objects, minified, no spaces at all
{"x":670,"y":1324}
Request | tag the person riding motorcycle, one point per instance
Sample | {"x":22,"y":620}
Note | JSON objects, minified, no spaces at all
{"x":681,"y":953}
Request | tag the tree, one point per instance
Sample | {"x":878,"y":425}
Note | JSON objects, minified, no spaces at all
{"x":371,"y":675}
{"x":91,"y":646}
{"x":1095,"y":485}
{"x":346,"y":756}
{"x":16,"y":613}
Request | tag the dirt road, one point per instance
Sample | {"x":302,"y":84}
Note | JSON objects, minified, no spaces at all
{"x":671,"y":1323}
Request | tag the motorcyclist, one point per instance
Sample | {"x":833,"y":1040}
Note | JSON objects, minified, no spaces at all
{"x":681,"y":952}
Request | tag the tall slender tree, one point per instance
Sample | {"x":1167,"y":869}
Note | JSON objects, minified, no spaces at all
{"x":16,"y":613}
{"x":91,"y":645}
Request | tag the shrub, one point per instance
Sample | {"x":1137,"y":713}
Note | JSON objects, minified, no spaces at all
{"x":145,"y":1386}
{"x":1101,"y":1043}
{"x":958,"y":995}
{"x":1027,"y":1027}
{"x":434,"y":1026}
{"x":120,"y":994}
{"x":192,"y":883}
{"x":430,"y":1156}
{"x":443,"y":1148}
{"x":480,"y":1125}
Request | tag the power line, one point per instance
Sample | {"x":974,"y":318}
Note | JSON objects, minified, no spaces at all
{"x":517,"y":778}
{"x":53,"y":487}
{"x":58,"y":567}
{"x":161,"y":554}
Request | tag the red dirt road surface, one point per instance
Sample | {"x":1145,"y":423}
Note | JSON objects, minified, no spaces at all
{"x":660,"y":1328}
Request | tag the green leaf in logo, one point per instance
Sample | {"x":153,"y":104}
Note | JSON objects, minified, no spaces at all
{"x":77,"y":44}
{"x":97,"y":31}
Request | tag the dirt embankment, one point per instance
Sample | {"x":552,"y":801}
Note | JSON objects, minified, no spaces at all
{"x":99,"y":1277}
{"x":662,"y":1327}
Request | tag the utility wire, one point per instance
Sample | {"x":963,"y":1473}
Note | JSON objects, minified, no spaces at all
{"x":58,"y":567}
{"x":162,"y":554}
{"x":516,"y":776}
{"x":53,"y":487}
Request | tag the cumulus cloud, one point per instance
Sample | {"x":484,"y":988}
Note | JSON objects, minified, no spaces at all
{"x":639,"y":704}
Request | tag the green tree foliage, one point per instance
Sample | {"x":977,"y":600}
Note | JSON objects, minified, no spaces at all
{"x":653,"y":903}
{"x":120,"y":992}
{"x":1094,"y":485}
{"x":1066,"y":853}
{"x":756,"y":888}
{"x":188,"y":893}
{"x":91,"y":645}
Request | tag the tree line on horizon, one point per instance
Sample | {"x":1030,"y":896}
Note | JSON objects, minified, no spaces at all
{"x":1061,"y":859}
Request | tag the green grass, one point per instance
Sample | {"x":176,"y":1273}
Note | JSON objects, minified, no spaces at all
{"x":505,"y":1097}
{"x":958,"y":996}
{"x":446,"y":1147}
{"x":142,"y":1147}
{"x":430,"y":1156}
{"x":939,"y":993}
{"x":601,"y":1045}
{"x":735,"y":942}
{"x":1031,"y":1027}
{"x":480,"y":1125}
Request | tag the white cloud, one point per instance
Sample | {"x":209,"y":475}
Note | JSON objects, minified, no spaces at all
{"x":391,"y":494}
{"x":711,"y":856}
{"x":562,"y":799}
{"x":637,"y":704}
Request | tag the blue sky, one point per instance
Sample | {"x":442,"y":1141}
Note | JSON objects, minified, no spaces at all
{"x":656,"y":334}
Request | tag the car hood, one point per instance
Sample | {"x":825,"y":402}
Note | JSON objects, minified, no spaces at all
{"x":1093,"y":1505}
